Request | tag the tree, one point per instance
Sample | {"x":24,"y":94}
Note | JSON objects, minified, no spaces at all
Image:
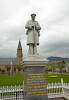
{"x":0,"y":69}
{"x":61,"y":65}
{"x":8,"y":67}
{"x":52,"y":66}
{"x":15,"y":69}
{"x":19,"y":67}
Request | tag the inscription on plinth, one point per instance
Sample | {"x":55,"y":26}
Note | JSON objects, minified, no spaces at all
{"x":35,"y":82}
{"x":35,"y":85}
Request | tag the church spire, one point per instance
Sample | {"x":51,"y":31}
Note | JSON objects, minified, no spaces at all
{"x":19,"y":54}
{"x":19,"y":45}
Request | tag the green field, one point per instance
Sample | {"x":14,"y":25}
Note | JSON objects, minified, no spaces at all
{"x":57,"y":78}
{"x":18,"y":79}
{"x":11,"y":80}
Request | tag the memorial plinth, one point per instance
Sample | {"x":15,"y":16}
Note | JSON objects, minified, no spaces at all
{"x":34,"y":65}
{"x":35,"y":78}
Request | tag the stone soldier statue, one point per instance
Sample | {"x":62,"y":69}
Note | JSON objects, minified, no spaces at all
{"x":33,"y":33}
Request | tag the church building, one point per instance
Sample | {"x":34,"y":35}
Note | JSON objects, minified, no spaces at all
{"x":19,"y":55}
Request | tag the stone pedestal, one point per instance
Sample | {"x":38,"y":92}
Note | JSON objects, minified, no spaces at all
{"x":35,"y":78}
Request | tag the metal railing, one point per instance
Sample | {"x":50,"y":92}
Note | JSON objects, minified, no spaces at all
{"x":54,"y":90}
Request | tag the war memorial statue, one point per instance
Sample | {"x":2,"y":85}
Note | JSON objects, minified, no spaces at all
{"x":34,"y":65}
{"x":33,"y":33}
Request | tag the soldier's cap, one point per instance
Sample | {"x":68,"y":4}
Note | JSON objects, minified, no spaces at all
{"x":33,"y":14}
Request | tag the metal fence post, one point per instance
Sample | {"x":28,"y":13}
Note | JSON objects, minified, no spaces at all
{"x":62,"y":83}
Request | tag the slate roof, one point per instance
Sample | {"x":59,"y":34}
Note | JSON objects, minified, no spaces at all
{"x":19,"y":45}
{"x":5,"y":61}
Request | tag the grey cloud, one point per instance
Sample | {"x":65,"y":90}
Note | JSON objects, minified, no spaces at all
{"x":55,"y":49}
{"x":54,"y":20}
{"x":16,"y":34}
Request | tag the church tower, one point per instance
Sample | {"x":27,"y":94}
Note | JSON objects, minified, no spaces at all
{"x":19,"y":54}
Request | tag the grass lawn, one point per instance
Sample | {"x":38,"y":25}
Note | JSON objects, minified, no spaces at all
{"x":11,"y":80}
{"x":57,"y":78}
{"x":18,"y":79}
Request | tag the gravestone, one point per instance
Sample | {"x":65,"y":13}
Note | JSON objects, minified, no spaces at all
{"x":34,"y":65}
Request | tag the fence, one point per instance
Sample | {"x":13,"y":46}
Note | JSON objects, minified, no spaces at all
{"x":57,"y":90}
{"x":11,"y":93}
{"x":54,"y":90}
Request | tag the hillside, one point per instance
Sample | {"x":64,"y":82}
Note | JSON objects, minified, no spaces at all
{"x":57,"y":59}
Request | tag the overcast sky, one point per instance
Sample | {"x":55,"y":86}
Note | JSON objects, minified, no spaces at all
{"x":53,"y":16}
